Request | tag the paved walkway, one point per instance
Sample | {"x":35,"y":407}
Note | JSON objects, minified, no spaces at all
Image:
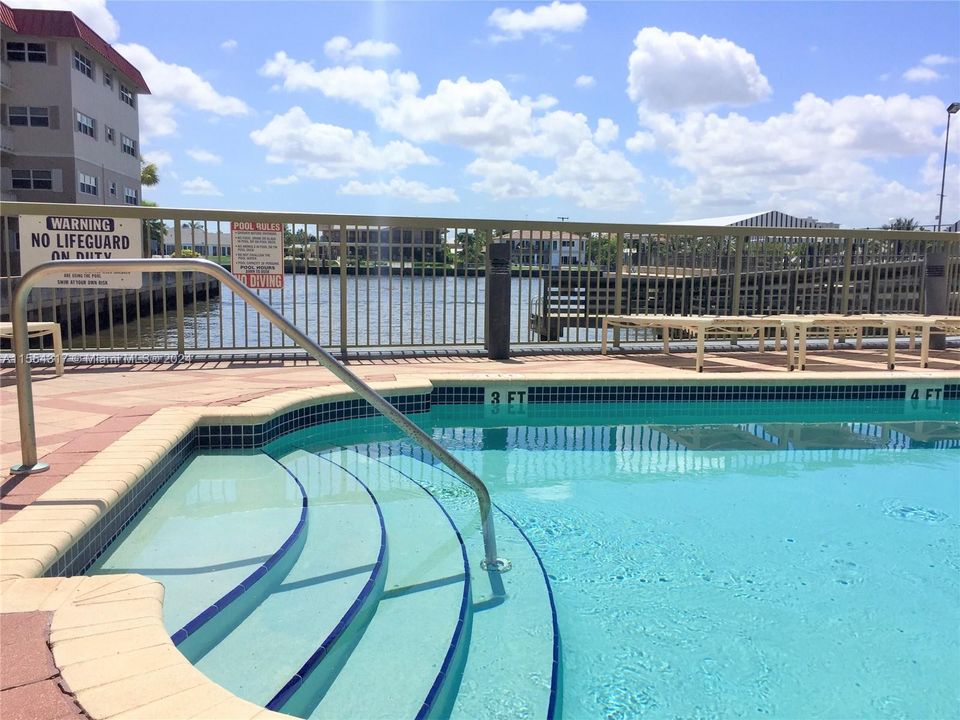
{"x":30,"y":684}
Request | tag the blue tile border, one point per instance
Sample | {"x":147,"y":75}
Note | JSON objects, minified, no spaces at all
{"x":460,"y":395}
{"x":80,"y":556}
{"x":259,"y":434}
{"x":196,"y":624}
{"x":290,"y":688}
{"x":542,"y":394}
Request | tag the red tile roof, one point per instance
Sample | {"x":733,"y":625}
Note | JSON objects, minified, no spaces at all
{"x":62,"y":23}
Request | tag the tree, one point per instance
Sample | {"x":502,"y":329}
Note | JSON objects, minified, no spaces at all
{"x":154,"y":231}
{"x":472,"y":246}
{"x":902,"y":223}
{"x":601,"y":250}
{"x":149,"y":176}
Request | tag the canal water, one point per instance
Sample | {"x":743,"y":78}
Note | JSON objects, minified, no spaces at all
{"x":382,"y":311}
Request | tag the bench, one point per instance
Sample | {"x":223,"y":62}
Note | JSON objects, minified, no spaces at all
{"x":793,"y":327}
{"x":40,"y":329}
{"x":697,"y":325}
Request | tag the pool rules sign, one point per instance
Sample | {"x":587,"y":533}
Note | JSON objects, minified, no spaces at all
{"x":257,"y":257}
{"x":63,"y":237}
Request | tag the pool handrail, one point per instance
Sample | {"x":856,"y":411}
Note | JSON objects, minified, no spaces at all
{"x":28,"y":438}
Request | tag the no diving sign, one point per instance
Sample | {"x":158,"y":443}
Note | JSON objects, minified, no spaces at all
{"x":44,"y":238}
{"x":257,"y":258}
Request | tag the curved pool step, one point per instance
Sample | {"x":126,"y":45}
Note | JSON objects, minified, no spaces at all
{"x":513,"y":664}
{"x":412,"y":649}
{"x":180,"y":542}
{"x":334,"y":582}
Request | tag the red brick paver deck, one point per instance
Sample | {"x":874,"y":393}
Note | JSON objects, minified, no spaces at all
{"x":30,"y":684}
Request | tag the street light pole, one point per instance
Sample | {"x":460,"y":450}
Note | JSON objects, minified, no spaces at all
{"x":952,"y":109}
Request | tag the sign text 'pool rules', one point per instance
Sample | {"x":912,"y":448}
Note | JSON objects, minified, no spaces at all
{"x":257,"y":258}
{"x":63,"y":237}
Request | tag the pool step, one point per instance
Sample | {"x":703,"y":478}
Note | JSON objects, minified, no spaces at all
{"x":215,"y":495}
{"x":512,"y":665}
{"x":411,"y":650}
{"x":336,"y":576}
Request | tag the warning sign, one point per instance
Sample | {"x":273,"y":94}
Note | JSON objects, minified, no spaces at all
{"x":62,"y":237}
{"x":257,"y":258}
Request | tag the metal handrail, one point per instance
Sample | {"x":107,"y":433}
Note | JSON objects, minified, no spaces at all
{"x":28,"y":438}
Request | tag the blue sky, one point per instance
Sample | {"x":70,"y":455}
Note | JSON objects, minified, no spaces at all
{"x":613,"y":111}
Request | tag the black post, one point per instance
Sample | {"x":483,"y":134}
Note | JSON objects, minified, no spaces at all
{"x":498,"y":301}
{"x":935,"y":295}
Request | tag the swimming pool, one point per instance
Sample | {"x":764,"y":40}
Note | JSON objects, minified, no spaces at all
{"x":698,"y":559}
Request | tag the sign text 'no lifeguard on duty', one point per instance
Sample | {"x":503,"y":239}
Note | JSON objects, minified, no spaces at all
{"x":257,"y":256}
{"x":44,"y":238}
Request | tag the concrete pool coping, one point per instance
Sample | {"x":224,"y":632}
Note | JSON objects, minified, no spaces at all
{"x":90,"y":651}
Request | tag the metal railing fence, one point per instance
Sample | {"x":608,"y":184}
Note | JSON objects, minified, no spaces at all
{"x":356,"y":283}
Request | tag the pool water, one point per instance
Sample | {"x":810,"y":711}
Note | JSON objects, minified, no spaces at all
{"x":808,"y":586}
{"x":714,"y":562}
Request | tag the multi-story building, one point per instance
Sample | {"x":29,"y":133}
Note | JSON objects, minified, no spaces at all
{"x":546,"y":248}
{"x":68,"y":112}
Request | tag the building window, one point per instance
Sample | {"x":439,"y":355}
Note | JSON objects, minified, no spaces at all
{"x":26,"y":52}
{"x":130,"y":196}
{"x":83,"y":64}
{"x":113,"y":189}
{"x":127,"y":96}
{"x":32,"y":116}
{"x":108,"y":134}
{"x":86,"y":125}
{"x":108,"y":80}
{"x":127,"y":145}
{"x":88,"y":184}
{"x":32,"y":179}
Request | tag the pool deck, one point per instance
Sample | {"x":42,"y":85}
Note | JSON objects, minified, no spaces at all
{"x":91,"y":406}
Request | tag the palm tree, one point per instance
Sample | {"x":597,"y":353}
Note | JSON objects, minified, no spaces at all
{"x":902,"y":223}
{"x":149,"y":176}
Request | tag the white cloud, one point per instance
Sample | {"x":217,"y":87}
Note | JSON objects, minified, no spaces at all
{"x":589,"y":178}
{"x":329,"y":151}
{"x":818,"y":158}
{"x":555,"y":17}
{"x":400,"y":188}
{"x":607,"y":131}
{"x":370,"y":89}
{"x":205,"y":156}
{"x":937,"y":59}
{"x":676,"y":71}
{"x":541,"y":102}
{"x":174,"y":87}
{"x":921,"y":74}
{"x":340,"y":48}
{"x":199,"y":186}
{"x":288,"y":180}
{"x":160,"y":158}
{"x":503,"y":179}
{"x":641,"y":141}
{"x":93,"y":12}
{"x":585,"y":81}
{"x":229,"y":45}
{"x":480,"y":116}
